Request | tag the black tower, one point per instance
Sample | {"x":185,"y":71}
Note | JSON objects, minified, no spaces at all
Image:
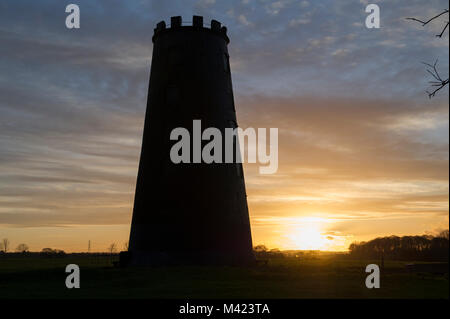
{"x":192,"y":213}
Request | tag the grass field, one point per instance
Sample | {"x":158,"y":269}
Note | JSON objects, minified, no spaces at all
{"x":318,"y":277}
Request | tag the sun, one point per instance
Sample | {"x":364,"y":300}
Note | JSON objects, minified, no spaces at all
{"x":308,"y":237}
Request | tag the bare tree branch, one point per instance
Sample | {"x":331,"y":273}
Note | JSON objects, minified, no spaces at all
{"x":443,"y":30}
{"x":431,"y":19}
{"x":439,"y":83}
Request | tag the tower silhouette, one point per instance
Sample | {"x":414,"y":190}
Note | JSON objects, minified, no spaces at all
{"x":188,"y":213}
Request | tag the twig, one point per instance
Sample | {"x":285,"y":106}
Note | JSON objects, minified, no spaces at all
{"x":431,"y":19}
{"x":426,"y":22}
{"x":443,"y":30}
{"x":439,"y":83}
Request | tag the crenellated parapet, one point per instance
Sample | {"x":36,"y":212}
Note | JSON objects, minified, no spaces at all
{"x":176,"y":23}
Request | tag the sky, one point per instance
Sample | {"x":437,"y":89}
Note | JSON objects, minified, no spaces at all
{"x":363,"y":152}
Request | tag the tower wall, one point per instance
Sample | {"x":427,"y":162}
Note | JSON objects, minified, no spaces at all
{"x":188,"y":213}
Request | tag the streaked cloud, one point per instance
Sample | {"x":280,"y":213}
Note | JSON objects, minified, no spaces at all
{"x":360,"y":142}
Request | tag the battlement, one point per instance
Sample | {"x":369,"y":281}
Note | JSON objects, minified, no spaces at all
{"x":176,"y":24}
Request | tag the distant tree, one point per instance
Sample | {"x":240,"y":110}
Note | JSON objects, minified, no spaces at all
{"x":427,"y":248}
{"x":353,"y":247}
{"x":125,"y":245}
{"x":112,"y":248}
{"x":260,"y":248}
{"x":444,"y":234}
{"x":276,"y":253}
{"x":5,"y":245}
{"x":261,"y":251}
{"x":49,"y":252}
{"x":22,"y":248}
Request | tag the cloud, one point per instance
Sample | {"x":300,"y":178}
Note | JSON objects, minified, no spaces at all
{"x":359,"y":139}
{"x":243,"y":19}
{"x":205,"y":3}
{"x":296,"y":22}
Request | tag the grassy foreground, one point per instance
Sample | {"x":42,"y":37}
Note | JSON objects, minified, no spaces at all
{"x":319,"y":277}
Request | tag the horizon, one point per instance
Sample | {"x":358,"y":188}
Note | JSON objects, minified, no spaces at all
{"x":118,"y":245}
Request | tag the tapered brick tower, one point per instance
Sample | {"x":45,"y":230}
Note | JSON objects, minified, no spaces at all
{"x":188,"y":213}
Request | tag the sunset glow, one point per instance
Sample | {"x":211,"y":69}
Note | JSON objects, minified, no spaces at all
{"x":363,"y":152}
{"x":308,"y":238}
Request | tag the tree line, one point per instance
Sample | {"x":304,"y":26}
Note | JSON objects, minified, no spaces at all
{"x":426,"y":248}
{"x":5,"y":247}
